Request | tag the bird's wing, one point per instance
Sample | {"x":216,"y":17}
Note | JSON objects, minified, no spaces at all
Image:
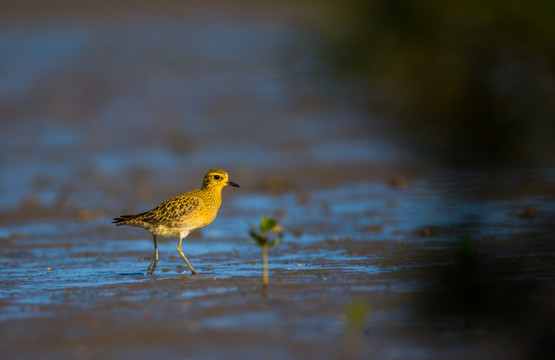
{"x":179,"y":208}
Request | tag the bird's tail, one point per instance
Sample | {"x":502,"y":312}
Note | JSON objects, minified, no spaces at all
{"x":124,"y":219}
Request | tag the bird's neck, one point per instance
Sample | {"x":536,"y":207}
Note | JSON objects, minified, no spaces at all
{"x":213,"y":194}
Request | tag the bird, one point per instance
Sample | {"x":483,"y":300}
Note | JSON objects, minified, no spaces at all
{"x":182,"y":214}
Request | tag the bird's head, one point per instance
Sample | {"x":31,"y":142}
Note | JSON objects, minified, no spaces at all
{"x":217,"y":178}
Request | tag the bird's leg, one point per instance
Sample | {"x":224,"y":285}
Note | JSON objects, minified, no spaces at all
{"x":183,"y":255}
{"x":154,"y":262}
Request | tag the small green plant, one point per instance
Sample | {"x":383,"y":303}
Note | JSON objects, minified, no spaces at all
{"x":357,"y":314}
{"x":268,"y":235}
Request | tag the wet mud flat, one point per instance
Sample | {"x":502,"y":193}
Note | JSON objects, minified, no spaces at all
{"x":366,"y":270}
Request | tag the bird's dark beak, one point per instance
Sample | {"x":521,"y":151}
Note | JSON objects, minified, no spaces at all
{"x":231,"y":183}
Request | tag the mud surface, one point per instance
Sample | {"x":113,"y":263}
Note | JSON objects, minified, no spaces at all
{"x":387,"y":254}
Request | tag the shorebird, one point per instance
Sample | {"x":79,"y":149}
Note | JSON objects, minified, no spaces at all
{"x":182,"y":214}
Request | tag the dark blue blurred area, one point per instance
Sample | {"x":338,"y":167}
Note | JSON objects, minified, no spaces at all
{"x":105,"y":104}
{"x":97,"y":90}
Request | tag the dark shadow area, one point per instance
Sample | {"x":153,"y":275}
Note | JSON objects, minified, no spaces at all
{"x":470,"y":86}
{"x":466,"y":82}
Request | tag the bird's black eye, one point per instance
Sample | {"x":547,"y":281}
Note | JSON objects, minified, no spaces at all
{"x":217,"y":177}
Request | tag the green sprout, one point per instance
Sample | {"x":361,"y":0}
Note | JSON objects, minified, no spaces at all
{"x":357,"y":314}
{"x":268,"y":235}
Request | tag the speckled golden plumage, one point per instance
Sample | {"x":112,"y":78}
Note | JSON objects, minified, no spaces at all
{"x":182,"y":214}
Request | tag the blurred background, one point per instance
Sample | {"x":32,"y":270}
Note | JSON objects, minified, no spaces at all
{"x":434,"y":118}
{"x":136,"y":97}
{"x":110,"y":90}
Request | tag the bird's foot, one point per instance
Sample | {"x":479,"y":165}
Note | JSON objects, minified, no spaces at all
{"x":152,"y":266}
